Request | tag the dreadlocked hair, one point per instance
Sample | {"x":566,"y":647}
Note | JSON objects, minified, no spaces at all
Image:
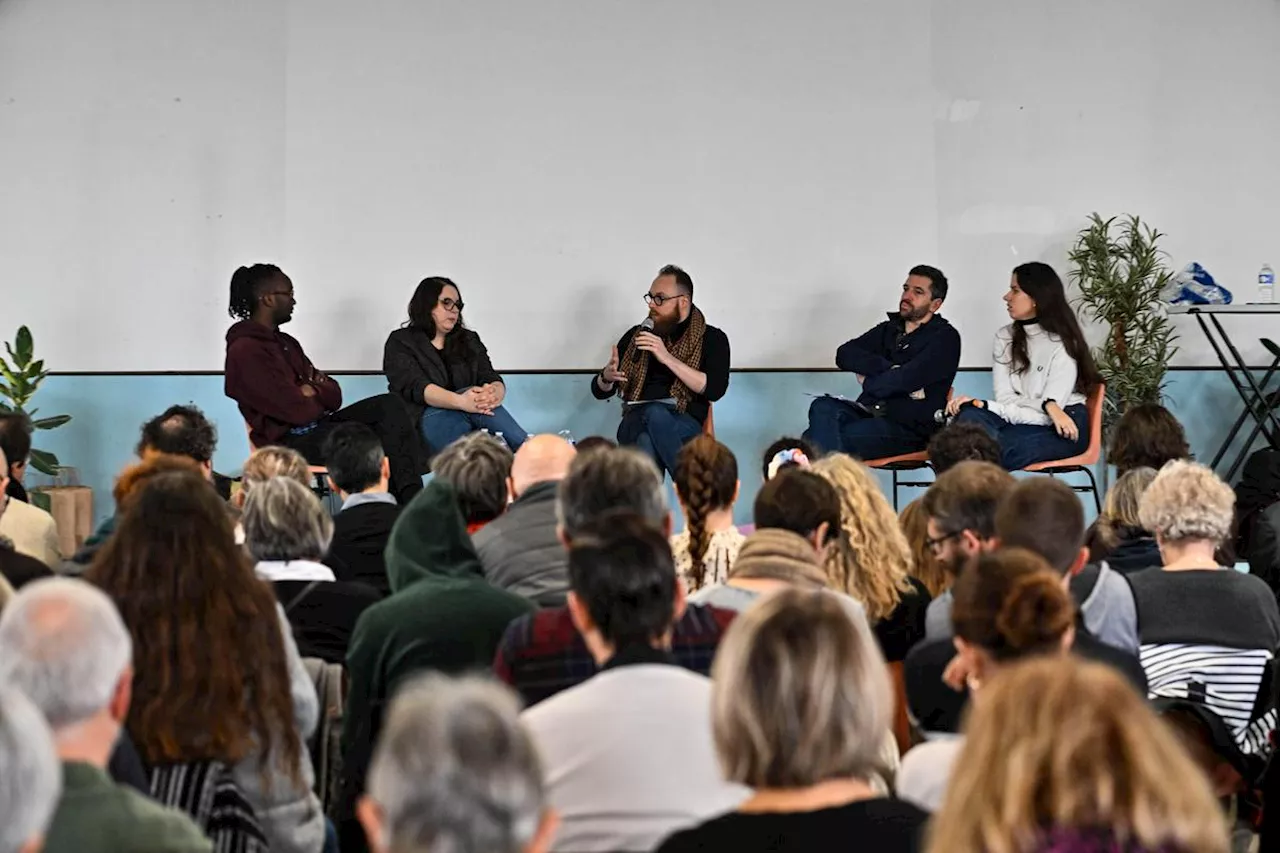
{"x":706,"y":479}
{"x":245,"y":282}
{"x":871,"y":560}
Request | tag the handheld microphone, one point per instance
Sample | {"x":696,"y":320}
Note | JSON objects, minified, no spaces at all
{"x":646,"y":325}
{"x":941,"y":417}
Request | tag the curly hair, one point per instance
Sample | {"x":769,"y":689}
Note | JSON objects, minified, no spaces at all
{"x":871,"y":560}
{"x":1188,"y":501}
{"x":179,"y":431}
{"x":1147,"y":436}
{"x":706,"y":479}
{"x":211,"y":676}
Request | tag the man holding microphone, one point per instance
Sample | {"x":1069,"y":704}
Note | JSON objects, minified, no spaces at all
{"x":668,"y":371}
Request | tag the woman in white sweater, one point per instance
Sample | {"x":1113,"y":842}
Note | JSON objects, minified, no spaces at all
{"x":1042,"y":372}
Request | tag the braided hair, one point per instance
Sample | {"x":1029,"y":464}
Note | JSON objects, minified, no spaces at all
{"x":706,"y":479}
{"x":245,"y":283}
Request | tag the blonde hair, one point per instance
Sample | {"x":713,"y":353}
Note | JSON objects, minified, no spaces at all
{"x":1124,"y":498}
{"x":799,"y":693}
{"x":870,"y":560}
{"x":1057,"y":743}
{"x":1186,"y":500}
{"x":914,"y":522}
{"x":275,"y":461}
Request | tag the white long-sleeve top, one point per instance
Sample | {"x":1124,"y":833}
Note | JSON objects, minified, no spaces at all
{"x":1050,"y":375}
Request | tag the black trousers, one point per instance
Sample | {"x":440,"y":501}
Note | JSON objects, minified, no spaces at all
{"x":386,"y":416}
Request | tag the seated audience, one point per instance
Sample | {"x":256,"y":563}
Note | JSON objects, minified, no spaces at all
{"x":1257,"y":537}
{"x":542,"y":653}
{"x":31,"y":530}
{"x":63,"y":644}
{"x":961,"y":510}
{"x":520,"y":550}
{"x":441,"y":371}
{"x":360,"y":474}
{"x":628,"y":752}
{"x":477,"y":466}
{"x":1146,"y":436}
{"x":15,"y":444}
{"x":16,"y":568}
{"x":803,"y":503}
{"x":455,"y":770}
{"x":32,"y":780}
{"x":800,"y":709}
{"x":287,"y":532}
{"x":595,"y":442}
{"x":1062,"y":755}
{"x":784,"y":454}
{"x":285,"y":400}
{"x":441,"y":615}
{"x":217,"y":677}
{"x":870,"y":559}
{"x":1208,"y":634}
{"x":1042,"y":374}
{"x":924,"y":566}
{"x":706,"y":482}
{"x":960,"y":442}
{"x":1117,"y":537}
{"x":269,"y":462}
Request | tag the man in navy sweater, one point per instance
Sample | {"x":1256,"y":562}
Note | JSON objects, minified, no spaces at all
{"x":906,"y":366}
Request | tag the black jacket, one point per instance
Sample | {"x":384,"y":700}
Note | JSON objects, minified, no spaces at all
{"x":411,"y":363}
{"x":897,"y":365}
{"x":323,"y":614}
{"x":359,"y":537}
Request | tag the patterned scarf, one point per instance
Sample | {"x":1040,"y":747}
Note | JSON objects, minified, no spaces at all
{"x":688,"y":349}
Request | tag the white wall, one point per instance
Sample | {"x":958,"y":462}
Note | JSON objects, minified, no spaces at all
{"x":796,"y":158}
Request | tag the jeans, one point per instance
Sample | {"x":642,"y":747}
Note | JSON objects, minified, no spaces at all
{"x":442,"y":427}
{"x":1025,"y":444}
{"x":658,"y":430}
{"x":835,"y":426}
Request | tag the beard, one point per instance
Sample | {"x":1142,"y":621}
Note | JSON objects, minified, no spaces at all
{"x":913,"y":315}
{"x":663,"y":326}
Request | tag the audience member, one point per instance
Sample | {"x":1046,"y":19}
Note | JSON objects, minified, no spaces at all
{"x":800,"y":707}
{"x":924,"y":566}
{"x":542,"y":653}
{"x":269,"y":462}
{"x":217,"y":675}
{"x":1146,"y":436}
{"x":706,"y":482}
{"x":961,"y":511}
{"x":870,"y":559}
{"x":628,"y":752}
{"x":441,"y":615}
{"x":784,"y":454}
{"x":287,"y":532}
{"x":15,"y":444}
{"x":960,"y":442}
{"x":361,"y":475}
{"x":520,"y":550}
{"x":16,"y":568}
{"x":595,"y":442}
{"x":1117,"y":536}
{"x":32,"y":531}
{"x":1257,"y":516}
{"x":1209,"y":634}
{"x":478,"y":467}
{"x":803,"y":503}
{"x":64,"y":645}
{"x":32,"y":780}
{"x":1063,"y":755}
{"x":456,"y":771}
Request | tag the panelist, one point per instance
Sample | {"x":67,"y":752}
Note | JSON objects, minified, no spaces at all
{"x":906,"y":366}
{"x":1042,"y":371}
{"x":668,"y":371}
{"x":442,"y":371}
{"x":282,"y":396}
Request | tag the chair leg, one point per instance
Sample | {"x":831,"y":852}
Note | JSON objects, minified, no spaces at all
{"x":1093,"y":487}
{"x":895,"y":489}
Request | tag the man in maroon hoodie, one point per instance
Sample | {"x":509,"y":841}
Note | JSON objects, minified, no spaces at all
{"x":282,"y":396}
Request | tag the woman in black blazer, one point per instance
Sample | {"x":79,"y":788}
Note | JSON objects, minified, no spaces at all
{"x":441,"y":370}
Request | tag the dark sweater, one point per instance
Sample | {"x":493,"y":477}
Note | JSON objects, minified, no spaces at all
{"x":904,"y":627}
{"x":659,"y":378}
{"x":882,"y":824}
{"x":359,"y":538}
{"x":411,"y":363}
{"x":265,"y":372}
{"x":20,"y":569}
{"x":323,"y":614}
{"x":897,"y":365}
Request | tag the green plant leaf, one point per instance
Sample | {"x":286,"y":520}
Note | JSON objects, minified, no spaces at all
{"x":25,"y":346}
{"x":44,"y":462}
{"x":51,"y":423}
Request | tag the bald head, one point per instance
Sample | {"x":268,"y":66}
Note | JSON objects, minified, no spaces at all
{"x":541,"y":459}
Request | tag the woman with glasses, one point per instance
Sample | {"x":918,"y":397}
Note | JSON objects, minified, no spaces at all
{"x":441,"y":369}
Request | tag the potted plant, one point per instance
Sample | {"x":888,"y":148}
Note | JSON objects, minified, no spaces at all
{"x":18,"y":384}
{"x":1120,"y":270}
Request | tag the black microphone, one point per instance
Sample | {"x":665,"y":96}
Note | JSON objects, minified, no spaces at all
{"x":646,"y":325}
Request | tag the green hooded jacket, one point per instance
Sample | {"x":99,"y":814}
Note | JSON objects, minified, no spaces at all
{"x":441,"y":615}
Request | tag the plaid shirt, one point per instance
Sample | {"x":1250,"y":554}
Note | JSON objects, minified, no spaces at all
{"x":541,"y":653}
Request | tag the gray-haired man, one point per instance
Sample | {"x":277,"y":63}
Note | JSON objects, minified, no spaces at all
{"x":31,"y":780}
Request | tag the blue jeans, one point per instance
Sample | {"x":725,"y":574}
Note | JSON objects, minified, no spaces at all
{"x":835,"y":426}
{"x":658,"y":430}
{"x":1025,"y":444}
{"x":442,"y":427}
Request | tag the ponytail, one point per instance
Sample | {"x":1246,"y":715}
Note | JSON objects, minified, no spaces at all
{"x":706,"y":479}
{"x":245,"y":282}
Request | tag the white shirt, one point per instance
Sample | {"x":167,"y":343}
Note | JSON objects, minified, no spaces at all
{"x":1050,"y":375}
{"x":293,"y":570}
{"x":722,"y":550}
{"x":926,"y":772}
{"x":628,"y":758}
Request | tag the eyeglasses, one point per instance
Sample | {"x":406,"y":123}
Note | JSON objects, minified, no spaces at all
{"x":449,"y":305}
{"x":660,"y":299}
{"x":932,"y":544}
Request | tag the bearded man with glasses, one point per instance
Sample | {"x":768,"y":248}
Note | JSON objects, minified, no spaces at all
{"x":668,"y":371}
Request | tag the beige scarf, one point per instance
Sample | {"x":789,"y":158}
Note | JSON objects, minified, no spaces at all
{"x":688,"y":350}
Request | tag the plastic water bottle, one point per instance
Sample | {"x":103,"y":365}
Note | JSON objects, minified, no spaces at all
{"x":567,"y":435}
{"x":1266,"y":284}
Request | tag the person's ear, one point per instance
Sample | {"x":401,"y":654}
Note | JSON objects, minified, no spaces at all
{"x":370,"y":816}
{"x":681,"y":603}
{"x":1068,"y":639}
{"x":546,"y":832}
{"x":563,"y":536}
{"x":18,"y":470}
{"x":1082,"y":560}
{"x":333,"y":487}
{"x":737,"y":490}
{"x":969,"y":542}
{"x":579,"y":614}
{"x":122,"y":697}
{"x":511,"y":489}
{"x":384,"y":472}
{"x":240,"y":496}
{"x":819,"y":537}
{"x":207,"y":468}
